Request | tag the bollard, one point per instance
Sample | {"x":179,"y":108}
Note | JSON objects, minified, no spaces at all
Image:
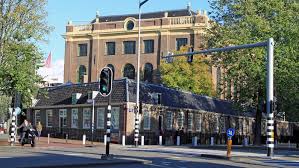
{"x":66,"y":138}
{"x":178,"y":143}
{"x":229,"y":147}
{"x":195,"y":141}
{"x":48,"y":138}
{"x":160,"y":140}
{"x":276,"y":143}
{"x":124,"y":140}
{"x":84,"y":139}
{"x":142,"y":140}
{"x":289,"y":142}
{"x":105,"y":139}
{"x":212,"y":141}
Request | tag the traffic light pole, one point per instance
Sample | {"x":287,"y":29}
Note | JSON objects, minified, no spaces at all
{"x":108,"y":131}
{"x":270,"y":61}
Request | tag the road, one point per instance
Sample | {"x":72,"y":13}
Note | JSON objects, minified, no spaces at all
{"x":176,"y":157}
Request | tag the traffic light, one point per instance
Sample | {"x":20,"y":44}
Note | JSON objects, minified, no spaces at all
{"x":105,"y":86}
{"x":190,"y":57}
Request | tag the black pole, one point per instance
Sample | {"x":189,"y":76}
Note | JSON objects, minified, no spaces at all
{"x":108,"y":125}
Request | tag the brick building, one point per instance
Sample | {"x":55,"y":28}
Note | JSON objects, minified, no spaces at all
{"x":66,"y":110}
{"x":113,"y":41}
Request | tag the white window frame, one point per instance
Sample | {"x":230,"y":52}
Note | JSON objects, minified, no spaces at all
{"x":77,"y":117}
{"x":180,"y":119}
{"x":100,"y":110}
{"x":198,"y":119}
{"x":115,"y":115}
{"x":47,"y":117}
{"x":84,"y":117}
{"x":64,"y":116}
{"x":169,"y":121}
{"x":190,"y":121}
{"x":147,"y":118}
{"x":35,"y":118}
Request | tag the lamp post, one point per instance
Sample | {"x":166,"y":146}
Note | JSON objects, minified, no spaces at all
{"x":94,"y":95}
{"x":138,"y":76}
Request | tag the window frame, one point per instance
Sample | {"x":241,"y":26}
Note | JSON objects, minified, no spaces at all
{"x":198,"y":118}
{"x":190,"y":121}
{"x":64,"y":116}
{"x":125,"y":43}
{"x":181,"y":120}
{"x":169,"y":123}
{"x":103,"y":125}
{"x":151,"y":50}
{"x":79,"y":49}
{"x":146,"y":117}
{"x":72,"y":118}
{"x":113,"y":127}
{"x":47,"y":118}
{"x":84,"y":117}
{"x":177,"y":43}
{"x":107,"y":48}
{"x":35,"y":118}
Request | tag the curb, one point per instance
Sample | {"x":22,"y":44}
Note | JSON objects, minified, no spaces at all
{"x":91,"y":164}
{"x":216,"y":156}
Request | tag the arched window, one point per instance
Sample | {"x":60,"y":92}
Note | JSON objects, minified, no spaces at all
{"x":148,"y":72}
{"x":129,"y":71}
{"x":112,"y":68}
{"x":81,"y":73}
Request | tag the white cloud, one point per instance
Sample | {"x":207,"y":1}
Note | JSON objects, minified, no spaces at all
{"x":54,"y":73}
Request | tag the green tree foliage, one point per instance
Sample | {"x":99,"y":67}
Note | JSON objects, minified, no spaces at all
{"x":195,"y":77}
{"x":22,"y":25}
{"x":241,"y":22}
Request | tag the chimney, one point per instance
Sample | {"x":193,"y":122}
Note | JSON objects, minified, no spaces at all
{"x":97,"y":16}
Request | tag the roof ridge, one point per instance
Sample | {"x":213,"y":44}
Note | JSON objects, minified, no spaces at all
{"x":173,"y":10}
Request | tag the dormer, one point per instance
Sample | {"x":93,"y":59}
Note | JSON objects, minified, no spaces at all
{"x":76,"y":97}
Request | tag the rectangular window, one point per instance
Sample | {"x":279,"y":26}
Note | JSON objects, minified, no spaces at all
{"x":198,"y":120}
{"x":181,"y":119}
{"x":190,"y":121}
{"x":74,"y":118}
{"x":37,"y":116}
{"x":82,"y":49}
{"x":217,"y":124}
{"x":146,"y":120}
{"x":110,"y":48}
{"x":157,"y":97}
{"x":129,"y":47}
{"x":115,"y":117}
{"x":169,"y":119}
{"x":86,"y":118}
{"x":49,"y":118}
{"x":100,"y":118}
{"x":148,"y":46}
{"x":222,"y":124}
{"x":62,"y":118}
{"x":181,"y":42}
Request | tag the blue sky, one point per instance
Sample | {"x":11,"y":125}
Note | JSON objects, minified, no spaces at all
{"x":83,"y":11}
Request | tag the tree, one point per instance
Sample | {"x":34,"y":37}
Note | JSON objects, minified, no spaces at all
{"x":22,"y":25}
{"x":242,"y":22}
{"x":195,"y":77}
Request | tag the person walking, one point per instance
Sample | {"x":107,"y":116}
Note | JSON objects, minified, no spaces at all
{"x":39,"y":128}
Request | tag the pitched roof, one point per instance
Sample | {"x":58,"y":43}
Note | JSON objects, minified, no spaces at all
{"x":180,"y":99}
{"x":124,"y":90}
{"x":62,"y":95}
{"x":160,"y":14}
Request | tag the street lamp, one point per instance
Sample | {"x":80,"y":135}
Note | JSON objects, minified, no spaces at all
{"x":138,"y":76}
{"x":94,"y":95}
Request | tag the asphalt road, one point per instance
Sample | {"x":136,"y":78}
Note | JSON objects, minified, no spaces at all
{"x":162,"y":157}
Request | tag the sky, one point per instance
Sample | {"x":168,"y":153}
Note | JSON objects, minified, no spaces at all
{"x":83,"y":11}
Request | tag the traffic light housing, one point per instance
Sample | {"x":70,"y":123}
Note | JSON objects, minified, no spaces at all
{"x":190,"y":57}
{"x":105,"y":80}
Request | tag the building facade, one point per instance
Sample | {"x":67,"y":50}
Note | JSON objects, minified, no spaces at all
{"x":113,"y":41}
{"x":67,"y":109}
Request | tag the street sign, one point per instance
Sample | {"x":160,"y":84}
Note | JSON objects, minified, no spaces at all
{"x":230,"y":132}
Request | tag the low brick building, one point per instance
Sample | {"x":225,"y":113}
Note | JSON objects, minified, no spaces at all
{"x":67,"y":109}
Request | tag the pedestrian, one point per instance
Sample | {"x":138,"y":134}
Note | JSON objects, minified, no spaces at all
{"x":39,"y":128}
